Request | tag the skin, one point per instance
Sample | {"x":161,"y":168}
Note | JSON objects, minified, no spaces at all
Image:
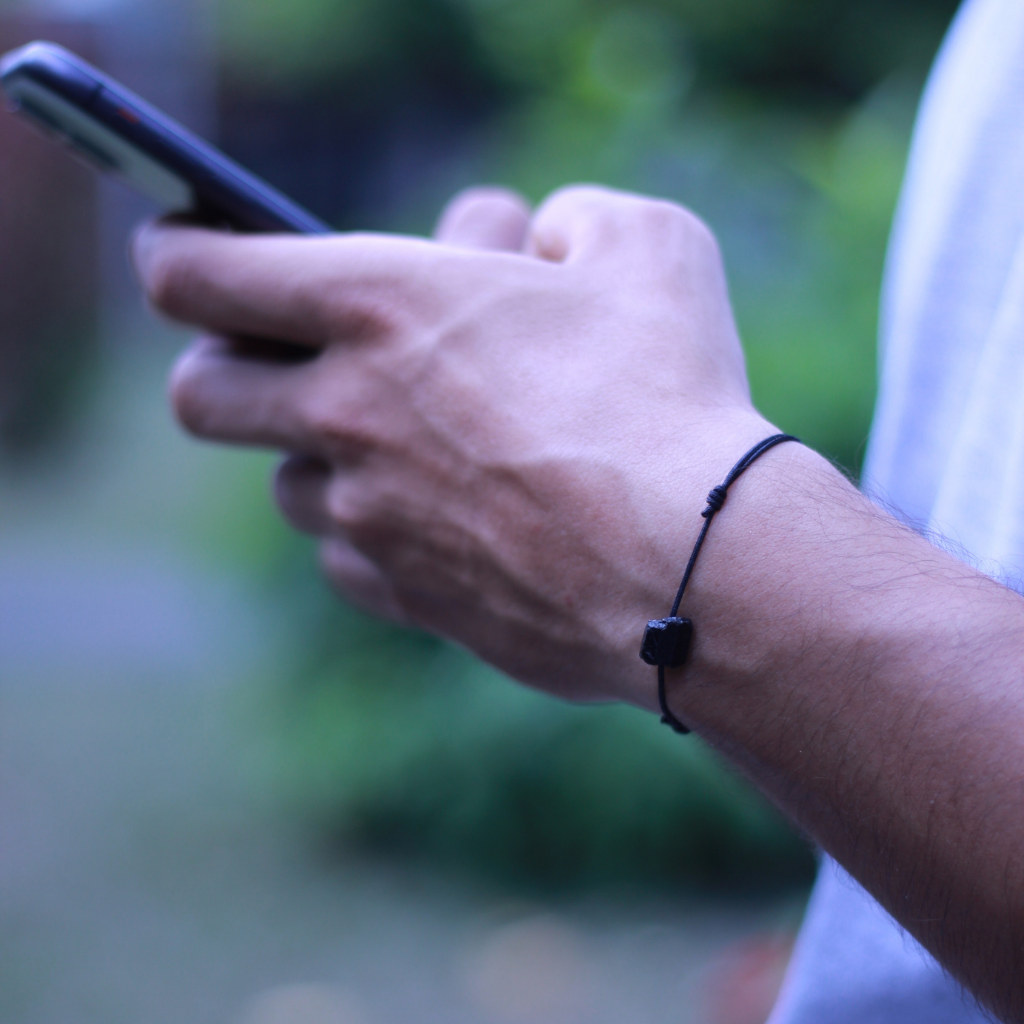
{"x":506,"y":435}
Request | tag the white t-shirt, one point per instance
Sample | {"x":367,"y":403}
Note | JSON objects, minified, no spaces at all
{"x":946,"y":450}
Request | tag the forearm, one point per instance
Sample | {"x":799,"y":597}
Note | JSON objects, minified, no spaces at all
{"x":516,"y":448}
{"x":870,"y":684}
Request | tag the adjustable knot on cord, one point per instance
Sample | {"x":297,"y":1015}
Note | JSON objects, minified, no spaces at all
{"x":716,"y":499}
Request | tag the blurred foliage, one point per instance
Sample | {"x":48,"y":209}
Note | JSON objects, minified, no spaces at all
{"x":784,"y":123}
{"x":401,"y":744}
{"x":807,"y":49}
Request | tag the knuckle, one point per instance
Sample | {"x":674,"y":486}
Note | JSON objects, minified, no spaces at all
{"x":360,"y":580}
{"x":342,"y":418}
{"x":349,"y":509}
{"x":668,"y":227}
{"x":610,"y":220}
{"x":373,"y":307}
{"x":700,"y":235}
{"x":662,"y":215}
{"x":323,"y":419}
{"x":596,"y":195}
{"x":336,"y":558}
{"x":593,"y":200}
{"x":486,"y":198}
{"x":484,"y":217}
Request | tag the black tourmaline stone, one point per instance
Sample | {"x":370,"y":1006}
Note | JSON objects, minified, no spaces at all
{"x":666,"y":642}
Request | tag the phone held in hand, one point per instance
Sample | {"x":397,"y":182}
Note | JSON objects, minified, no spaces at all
{"x":118,"y":132}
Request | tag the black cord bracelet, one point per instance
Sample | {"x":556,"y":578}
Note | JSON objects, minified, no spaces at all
{"x":667,"y":641}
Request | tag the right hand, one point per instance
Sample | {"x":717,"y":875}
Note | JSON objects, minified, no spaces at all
{"x":506,"y":448}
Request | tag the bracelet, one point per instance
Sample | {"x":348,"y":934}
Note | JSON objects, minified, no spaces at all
{"x":667,"y":641}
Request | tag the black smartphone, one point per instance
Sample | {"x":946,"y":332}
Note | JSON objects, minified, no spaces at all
{"x":120,"y":133}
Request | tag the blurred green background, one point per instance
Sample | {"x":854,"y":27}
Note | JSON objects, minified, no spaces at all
{"x":785,"y":124}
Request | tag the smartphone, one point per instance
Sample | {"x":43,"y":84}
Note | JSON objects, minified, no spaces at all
{"x":120,"y":133}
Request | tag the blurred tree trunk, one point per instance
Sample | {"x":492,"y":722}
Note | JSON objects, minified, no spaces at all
{"x":48,"y":254}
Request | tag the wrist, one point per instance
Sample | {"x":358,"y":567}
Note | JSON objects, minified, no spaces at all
{"x":756,"y":596}
{"x":667,"y":527}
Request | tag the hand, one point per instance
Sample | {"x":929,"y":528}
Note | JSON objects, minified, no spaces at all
{"x":507,"y":448}
{"x":479,"y":218}
{"x":520,"y":444}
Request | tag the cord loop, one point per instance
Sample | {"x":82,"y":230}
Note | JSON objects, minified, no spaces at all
{"x":667,"y":642}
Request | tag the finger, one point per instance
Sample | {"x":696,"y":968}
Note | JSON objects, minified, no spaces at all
{"x":485,"y":218}
{"x":300,"y":489}
{"x":222,"y":396}
{"x":359,"y":580}
{"x":308,"y":290}
{"x":587,"y":222}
